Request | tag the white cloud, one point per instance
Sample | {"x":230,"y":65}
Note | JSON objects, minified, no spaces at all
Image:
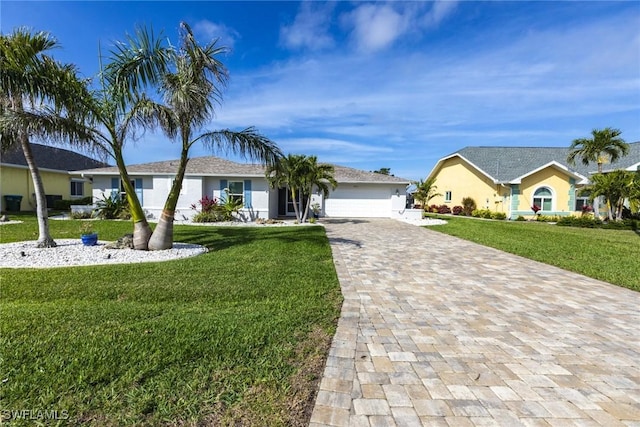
{"x":440,"y":10}
{"x":211,"y":30}
{"x":310,"y":28}
{"x":375,"y":26}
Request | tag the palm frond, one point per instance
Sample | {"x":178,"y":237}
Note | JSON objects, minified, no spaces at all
{"x":248,"y":143}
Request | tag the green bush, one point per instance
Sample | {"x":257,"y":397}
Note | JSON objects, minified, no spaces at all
{"x":468,"y":206}
{"x":520,"y":218}
{"x":579,"y":221}
{"x":81,"y":215}
{"x":215,"y":215}
{"x":498,"y":215}
{"x":112,"y":208}
{"x":591,"y":222}
{"x":65,"y":205}
{"x":548,"y":218}
{"x":481,"y":213}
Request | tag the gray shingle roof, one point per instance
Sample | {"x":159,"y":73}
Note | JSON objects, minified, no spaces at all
{"x":215,"y":166}
{"x":206,"y":166}
{"x":51,"y":158}
{"x":508,"y":163}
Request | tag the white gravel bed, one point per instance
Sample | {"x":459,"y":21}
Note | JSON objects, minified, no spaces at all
{"x":424,"y":221}
{"x":71,"y":252}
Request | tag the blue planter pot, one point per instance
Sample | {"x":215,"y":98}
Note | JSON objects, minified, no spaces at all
{"x":89,"y":239}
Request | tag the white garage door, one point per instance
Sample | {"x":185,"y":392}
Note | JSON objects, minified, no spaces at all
{"x":359,"y":201}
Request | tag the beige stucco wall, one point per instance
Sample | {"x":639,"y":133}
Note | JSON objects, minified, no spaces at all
{"x":552,"y":178}
{"x":15,"y":180}
{"x":463,"y":180}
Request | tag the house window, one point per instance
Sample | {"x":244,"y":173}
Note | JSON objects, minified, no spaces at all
{"x":447,"y":196}
{"x":236,"y":190}
{"x":543,"y":198}
{"x":77,"y":189}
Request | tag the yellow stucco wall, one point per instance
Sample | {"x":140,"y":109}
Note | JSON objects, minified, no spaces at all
{"x":552,"y":178}
{"x":463,"y":180}
{"x":18,"y":181}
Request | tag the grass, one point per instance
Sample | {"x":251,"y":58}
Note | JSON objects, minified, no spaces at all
{"x":609,"y":255}
{"x":237,"y":336}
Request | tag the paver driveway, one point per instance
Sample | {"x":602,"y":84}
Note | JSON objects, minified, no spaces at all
{"x":438,"y":331}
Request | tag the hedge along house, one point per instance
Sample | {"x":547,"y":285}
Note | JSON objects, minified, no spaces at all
{"x":359,"y":193}
{"x":512,"y":179}
{"x":56,"y":166}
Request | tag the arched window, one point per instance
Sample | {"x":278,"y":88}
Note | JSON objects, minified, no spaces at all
{"x":543,"y":198}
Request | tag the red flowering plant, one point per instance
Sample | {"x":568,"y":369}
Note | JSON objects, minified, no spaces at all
{"x":207,"y":204}
{"x":535,"y":208}
{"x":586,"y":209}
{"x":210,"y":210}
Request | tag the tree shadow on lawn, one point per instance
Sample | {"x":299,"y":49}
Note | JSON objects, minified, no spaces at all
{"x":219,"y":238}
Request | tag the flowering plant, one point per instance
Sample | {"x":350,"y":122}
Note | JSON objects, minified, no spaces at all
{"x":535,"y":208}
{"x":207,"y":204}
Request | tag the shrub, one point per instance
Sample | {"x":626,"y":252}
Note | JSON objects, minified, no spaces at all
{"x":548,"y":218}
{"x":81,"y":215}
{"x":520,"y":218}
{"x":457,"y":210}
{"x":498,"y":215}
{"x":112,"y":208}
{"x":65,"y":205}
{"x":468,"y":206}
{"x":211,"y":210}
{"x":481,"y":213}
{"x":208,"y":217}
{"x":433,"y":208}
{"x":443,"y":209}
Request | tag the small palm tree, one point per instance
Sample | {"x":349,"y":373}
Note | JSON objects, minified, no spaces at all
{"x":614,"y":187}
{"x":425,"y":191}
{"x":289,"y":172}
{"x":37,"y":99}
{"x":319,"y":176}
{"x":604,"y":145}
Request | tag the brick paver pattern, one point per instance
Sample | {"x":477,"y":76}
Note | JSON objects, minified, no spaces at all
{"x":438,"y":331}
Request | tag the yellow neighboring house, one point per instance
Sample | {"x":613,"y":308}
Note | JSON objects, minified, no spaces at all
{"x":514,"y":179}
{"x":56,"y":167}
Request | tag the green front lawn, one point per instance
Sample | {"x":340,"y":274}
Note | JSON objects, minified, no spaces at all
{"x":609,"y":255}
{"x":237,"y":335}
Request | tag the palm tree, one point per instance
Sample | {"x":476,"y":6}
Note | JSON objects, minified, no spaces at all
{"x":604,"y":145}
{"x":190,"y":91}
{"x":320,"y":176}
{"x":38,"y":99}
{"x":118,"y":108}
{"x":614,"y":187}
{"x":425,"y":191}
{"x":289,"y":172}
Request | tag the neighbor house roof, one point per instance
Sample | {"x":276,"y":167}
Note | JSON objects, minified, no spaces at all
{"x":215,"y":166}
{"x":51,"y":158}
{"x":510,"y":164}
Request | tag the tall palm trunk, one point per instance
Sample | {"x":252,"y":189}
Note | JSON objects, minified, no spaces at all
{"x":296,"y":207}
{"x":141,"y":229}
{"x":44,"y":237}
{"x":162,"y":237}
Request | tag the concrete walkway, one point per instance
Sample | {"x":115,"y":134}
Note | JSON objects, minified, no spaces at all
{"x":437,"y":331}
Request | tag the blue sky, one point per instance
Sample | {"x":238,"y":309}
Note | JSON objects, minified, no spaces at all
{"x":386,"y":84}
